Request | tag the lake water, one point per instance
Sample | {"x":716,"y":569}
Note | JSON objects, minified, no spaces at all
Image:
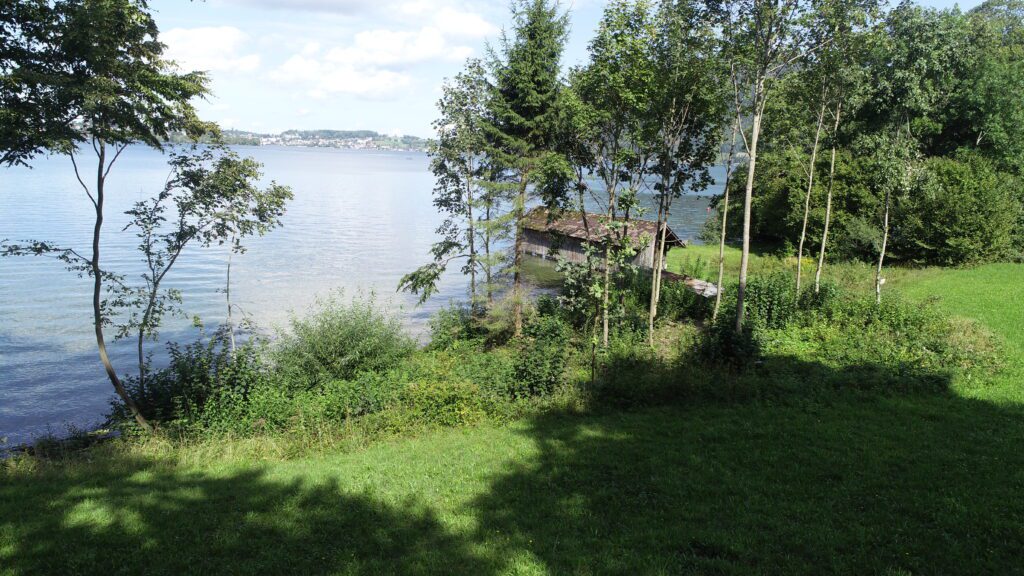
{"x":360,"y":220}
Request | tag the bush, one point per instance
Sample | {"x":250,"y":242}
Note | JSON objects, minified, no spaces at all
{"x":196,"y":373}
{"x":453,"y":324}
{"x":340,"y":340}
{"x":965,"y":211}
{"x":441,"y":404}
{"x":721,"y":345}
{"x":824,"y":300}
{"x":678,"y":302}
{"x":540,"y":357}
{"x":770,"y":301}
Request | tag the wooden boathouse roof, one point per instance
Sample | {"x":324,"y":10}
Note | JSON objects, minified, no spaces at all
{"x":570,"y":224}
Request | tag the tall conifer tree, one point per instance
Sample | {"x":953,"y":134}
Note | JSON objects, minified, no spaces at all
{"x":527,"y":66}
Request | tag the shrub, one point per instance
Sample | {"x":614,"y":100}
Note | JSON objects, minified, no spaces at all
{"x":678,"y":302}
{"x":824,"y":300}
{"x":196,"y":373}
{"x":340,"y":340}
{"x":540,"y":357}
{"x":722,"y":345}
{"x":964,"y":211}
{"x":770,"y":302}
{"x":453,"y":324}
{"x":441,"y":403}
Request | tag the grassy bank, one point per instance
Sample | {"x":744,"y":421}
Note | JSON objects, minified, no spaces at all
{"x":847,"y":482}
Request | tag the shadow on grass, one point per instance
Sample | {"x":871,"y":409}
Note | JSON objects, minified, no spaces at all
{"x":144,"y":518}
{"x":817,"y":471}
{"x":853,"y":482}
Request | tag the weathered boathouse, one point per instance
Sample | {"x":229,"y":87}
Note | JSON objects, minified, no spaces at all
{"x":568,"y":233}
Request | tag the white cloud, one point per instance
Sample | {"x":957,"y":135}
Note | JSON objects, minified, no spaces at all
{"x":322,"y":78}
{"x":340,"y":6}
{"x":210,"y":49}
{"x":374,"y":64}
{"x":396,"y":48}
{"x":467,"y":24}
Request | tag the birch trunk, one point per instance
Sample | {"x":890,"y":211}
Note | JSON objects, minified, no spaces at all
{"x":881,"y":257}
{"x":828,"y":202}
{"x":227,"y":298}
{"x":487,"y":256}
{"x":725,"y":220}
{"x":517,"y":263}
{"x":471,"y":237}
{"x":807,"y":199}
{"x":747,"y":201}
{"x":656,"y":263}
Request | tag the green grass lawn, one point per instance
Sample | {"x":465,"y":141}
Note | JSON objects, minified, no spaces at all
{"x":929,"y":483}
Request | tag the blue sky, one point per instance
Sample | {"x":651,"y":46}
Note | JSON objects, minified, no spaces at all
{"x":342,"y":64}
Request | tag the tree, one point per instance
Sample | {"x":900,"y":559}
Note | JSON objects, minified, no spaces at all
{"x":31,"y":120}
{"x":615,"y":90}
{"x":762,"y":35}
{"x":729,"y":159}
{"x":990,"y":107}
{"x":525,"y":109}
{"x":961,"y":210}
{"x":459,"y":163}
{"x":686,"y":112}
{"x":839,"y":29}
{"x":106,"y":71}
{"x":213,"y":198}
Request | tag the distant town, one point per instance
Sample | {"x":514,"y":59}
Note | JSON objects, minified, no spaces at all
{"x":350,"y":139}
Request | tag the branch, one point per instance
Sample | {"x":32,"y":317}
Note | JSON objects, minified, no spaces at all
{"x":114,"y":159}
{"x":80,"y":181}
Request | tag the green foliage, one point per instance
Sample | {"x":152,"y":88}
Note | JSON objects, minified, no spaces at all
{"x":31,"y":120}
{"x":451,"y":325}
{"x":948,"y":82}
{"x":199,"y":374}
{"x":771,"y":301}
{"x":441,"y":403}
{"x":457,"y":161}
{"x":540,"y":357}
{"x":338,"y":341}
{"x":722,"y":345}
{"x":964,"y":212}
{"x":580,"y":295}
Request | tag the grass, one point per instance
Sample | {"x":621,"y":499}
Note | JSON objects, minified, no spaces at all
{"x":851,"y":483}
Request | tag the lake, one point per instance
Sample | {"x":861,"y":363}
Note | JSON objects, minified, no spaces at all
{"x":360,"y":220}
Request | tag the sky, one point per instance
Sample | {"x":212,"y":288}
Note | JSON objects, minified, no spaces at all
{"x":377,"y":65}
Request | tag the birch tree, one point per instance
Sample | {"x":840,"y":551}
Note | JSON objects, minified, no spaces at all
{"x":687,"y":112}
{"x":107,"y":72}
{"x":840,"y":29}
{"x":763,"y":36}
{"x":615,"y":89}
{"x":212,"y":198}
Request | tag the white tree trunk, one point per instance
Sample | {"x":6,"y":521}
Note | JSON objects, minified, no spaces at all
{"x":807,"y":199}
{"x":747,"y":201}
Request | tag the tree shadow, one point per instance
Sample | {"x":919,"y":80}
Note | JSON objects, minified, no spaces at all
{"x":856,"y":481}
{"x":144,"y":517}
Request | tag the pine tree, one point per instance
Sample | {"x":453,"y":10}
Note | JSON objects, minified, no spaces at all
{"x":526,"y":68}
